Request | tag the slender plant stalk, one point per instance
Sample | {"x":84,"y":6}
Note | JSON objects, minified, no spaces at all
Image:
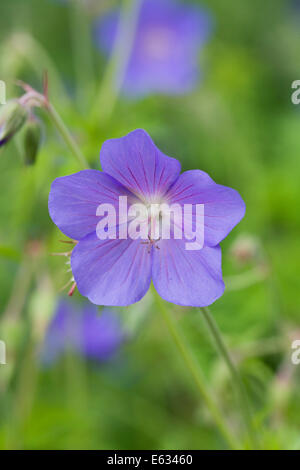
{"x":23,"y":398}
{"x":82,"y":53}
{"x":243,"y":398}
{"x":196,"y":373}
{"x":33,"y":98}
{"x":33,"y":52}
{"x":246,"y":279}
{"x":63,"y":130}
{"x":114,"y":75}
{"x":77,"y":397}
{"x":19,"y":291}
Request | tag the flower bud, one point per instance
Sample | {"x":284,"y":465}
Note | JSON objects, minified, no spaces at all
{"x":12,"y":117}
{"x":32,"y":140}
{"x":245,"y":249}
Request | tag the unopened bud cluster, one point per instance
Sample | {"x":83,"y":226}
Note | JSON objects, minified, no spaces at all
{"x":16,"y":117}
{"x":12,"y":118}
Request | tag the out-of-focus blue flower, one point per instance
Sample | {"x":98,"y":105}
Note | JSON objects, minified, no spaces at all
{"x":84,"y":331}
{"x":164,"y":56}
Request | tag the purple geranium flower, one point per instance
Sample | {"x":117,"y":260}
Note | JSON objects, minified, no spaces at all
{"x":119,"y":271}
{"x":164,"y":56}
{"x":84,"y":331}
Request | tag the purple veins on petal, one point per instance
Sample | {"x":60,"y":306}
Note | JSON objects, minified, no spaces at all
{"x":223,"y":206}
{"x":139,"y":165}
{"x":184,"y":277}
{"x":74,"y":200}
{"x":117,"y":271}
{"x":111,"y":272}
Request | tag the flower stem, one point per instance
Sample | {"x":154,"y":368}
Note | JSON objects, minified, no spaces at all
{"x":116,"y":69}
{"x":31,"y":51}
{"x":243,"y":398}
{"x":196,"y":373}
{"x":82,"y":53}
{"x":246,"y":279}
{"x":63,"y":130}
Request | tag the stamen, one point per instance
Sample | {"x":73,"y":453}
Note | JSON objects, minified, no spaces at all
{"x":151,"y":243}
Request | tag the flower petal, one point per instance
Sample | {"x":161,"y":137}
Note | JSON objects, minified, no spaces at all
{"x":184,"y":277}
{"x":111,"y":272}
{"x":223,"y":206}
{"x":139,"y":165}
{"x":74,"y":199}
{"x":101,"y":334}
{"x":62,"y":334}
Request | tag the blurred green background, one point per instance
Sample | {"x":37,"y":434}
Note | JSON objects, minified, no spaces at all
{"x":240,"y":126}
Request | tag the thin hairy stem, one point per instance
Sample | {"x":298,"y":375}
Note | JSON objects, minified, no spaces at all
{"x":241,"y":391}
{"x":196,"y":373}
{"x":63,"y":130}
{"x":116,"y":69}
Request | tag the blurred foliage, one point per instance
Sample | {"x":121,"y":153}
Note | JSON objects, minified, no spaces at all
{"x":240,"y":126}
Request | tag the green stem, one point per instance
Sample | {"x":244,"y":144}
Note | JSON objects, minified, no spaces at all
{"x":32,"y":51}
{"x":193,"y":367}
{"x":243,"y":398}
{"x":246,"y":279}
{"x":82,"y":53}
{"x":63,"y":130}
{"x":116,"y":68}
